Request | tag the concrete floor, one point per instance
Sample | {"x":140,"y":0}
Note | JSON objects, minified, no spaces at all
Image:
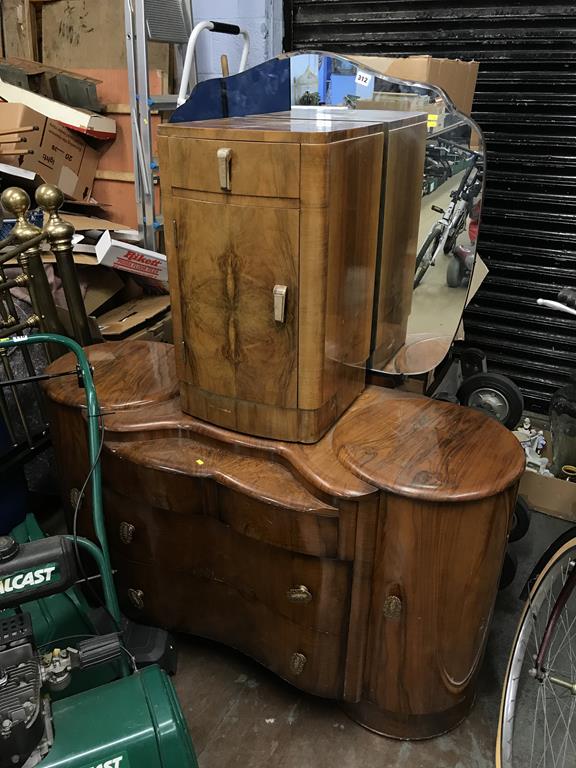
{"x":241,"y":716}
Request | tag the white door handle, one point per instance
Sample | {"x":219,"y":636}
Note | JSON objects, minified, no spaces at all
{"x":280,"y":302}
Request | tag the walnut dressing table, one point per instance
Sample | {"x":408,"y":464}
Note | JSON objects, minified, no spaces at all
{"x":362,"y":568}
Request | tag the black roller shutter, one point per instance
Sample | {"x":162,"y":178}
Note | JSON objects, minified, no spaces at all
{"x":526,"y":104}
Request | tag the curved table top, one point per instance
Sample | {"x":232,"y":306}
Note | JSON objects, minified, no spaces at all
{"x":405,"y":444}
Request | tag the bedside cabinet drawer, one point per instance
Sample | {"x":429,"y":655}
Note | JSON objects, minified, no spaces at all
{"x":252,"y":168}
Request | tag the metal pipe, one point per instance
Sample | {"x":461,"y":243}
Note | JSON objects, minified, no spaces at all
{"x":105,"y":573}
{"x":39,"y":377}
{"x":60,"y":234}
{"x":5,"y":414}
{"x":16,"y":282}
{"x":21,"y":247}
{"x":7,"y":318}
{"x":10,"y":375}
{"x":28,"y":238}
{"x":30,"y":322}
{"x":6,"y":241}
{"x":26,"y":356}
{"x":93,"y":414}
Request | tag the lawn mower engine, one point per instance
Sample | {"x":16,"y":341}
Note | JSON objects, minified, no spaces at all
{"x":135,"y":720}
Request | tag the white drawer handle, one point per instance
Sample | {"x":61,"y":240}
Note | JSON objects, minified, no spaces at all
{"x":224,"y":156}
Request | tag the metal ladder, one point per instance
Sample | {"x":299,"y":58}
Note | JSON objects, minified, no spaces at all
{"x":163,"y":21}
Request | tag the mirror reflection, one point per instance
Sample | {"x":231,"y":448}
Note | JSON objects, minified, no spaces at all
{"x":418,"y":330}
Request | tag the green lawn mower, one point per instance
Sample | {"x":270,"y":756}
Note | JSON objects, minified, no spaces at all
{"x":120,"y":716}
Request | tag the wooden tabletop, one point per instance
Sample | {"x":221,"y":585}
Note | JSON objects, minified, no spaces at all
{"x":388,"y":439}
{"x":272,"y":128}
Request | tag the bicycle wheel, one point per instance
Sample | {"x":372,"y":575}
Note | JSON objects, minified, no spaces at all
{"x":537,"y":724}
{"x":425,"y":255}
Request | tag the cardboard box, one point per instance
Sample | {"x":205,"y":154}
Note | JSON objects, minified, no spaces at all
{"x":131,"y":258}
{"x":549,"y":495}
{"x":55,"y":83}
{"x":89,"y":123}
{"x":406,"y":102}
{"x":58,"y":155}
{"x":135,"y":317}
{"x":456,"y":77}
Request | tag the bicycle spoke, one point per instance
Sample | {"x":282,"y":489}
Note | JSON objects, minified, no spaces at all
{"x":538,"y":724}
{"x":572,"y":708}
{"x":566,"y":723}
{"x":534,"y":727}
{"x":567,"y":636}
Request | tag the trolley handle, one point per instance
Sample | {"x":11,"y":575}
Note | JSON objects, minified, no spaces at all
{"x":566,"y":301}
{"x":226,"y":29}
{"x":211,"y":26}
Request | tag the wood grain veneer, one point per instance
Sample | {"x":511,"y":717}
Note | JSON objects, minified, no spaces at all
{"x":395,"y":523}
{"x":401,"y":198}
{"x":301,"y":212}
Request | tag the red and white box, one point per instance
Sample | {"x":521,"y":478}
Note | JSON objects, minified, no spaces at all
{"x":131,"y":258}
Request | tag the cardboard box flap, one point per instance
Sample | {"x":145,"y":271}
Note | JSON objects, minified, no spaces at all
{"x":85,"y":223}
{"x":126,"y":318}
{"x":90,"y":123}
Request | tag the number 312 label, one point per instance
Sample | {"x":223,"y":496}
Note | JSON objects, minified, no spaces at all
{"x":362,"y":78}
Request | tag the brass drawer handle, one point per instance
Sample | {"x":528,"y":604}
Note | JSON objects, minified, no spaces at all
{"x":74,"y":497}
{"x":392,"y":608}
{"x":127,"y":531}
{"x":297,"y":663}
{"x":136,"y":597}
{"x":224,"y":156}
{"x":299,"y":594}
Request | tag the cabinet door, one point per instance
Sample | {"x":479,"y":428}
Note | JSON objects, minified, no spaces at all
{"x":230,"y":258}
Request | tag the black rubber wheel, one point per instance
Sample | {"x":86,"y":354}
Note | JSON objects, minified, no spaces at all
{"x":520,"y":520}
{"x":509,"y":569}
{"x":454,"y":273}
{"x":494,"y":394}
{"x":425,"y":255}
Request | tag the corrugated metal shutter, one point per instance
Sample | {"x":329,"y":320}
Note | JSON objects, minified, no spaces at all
{"x":526,"y":105}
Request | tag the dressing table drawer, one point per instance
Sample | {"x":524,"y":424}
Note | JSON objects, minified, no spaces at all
{"x":215,"y":609}
{"x":308,"y":591}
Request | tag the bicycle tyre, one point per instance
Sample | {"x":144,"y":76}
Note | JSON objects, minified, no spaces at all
{"x":522,"y":652}
{"x":422,"y":263}
{"x":454,"y":273}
